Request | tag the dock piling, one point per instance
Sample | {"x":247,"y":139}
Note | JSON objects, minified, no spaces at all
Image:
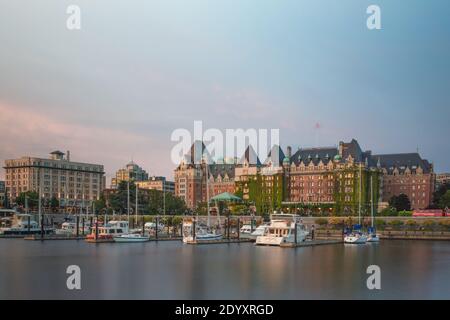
{"x":82,"y":226}
{"x":295,"y":232}
{"x":238,"y":229}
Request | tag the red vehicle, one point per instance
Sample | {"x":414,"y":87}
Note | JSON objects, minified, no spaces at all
{"x":430,"y":213}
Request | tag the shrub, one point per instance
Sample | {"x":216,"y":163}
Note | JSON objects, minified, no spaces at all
{"x":380,"y":223}
{"x":336,"y":222}
{"x":428,"y":224}
{"x":411,"y":223}
{"x":388,"y":212}
{"x":321,"y":221}
{"x":396,"y":223}
{"x":445,"y":223}
{"x":405,"y":214}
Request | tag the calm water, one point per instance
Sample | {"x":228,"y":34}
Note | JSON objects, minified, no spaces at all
{"x":171,"y":270}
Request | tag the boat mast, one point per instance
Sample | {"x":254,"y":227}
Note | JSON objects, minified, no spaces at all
{"x":371,"y":197}
{"x":128,"y":200}
{"x":207,"y":193}
{"x":360,"y":193}
{"x":136,"y":213}
{"x":40,"y":195}
{"x":164,"y":197}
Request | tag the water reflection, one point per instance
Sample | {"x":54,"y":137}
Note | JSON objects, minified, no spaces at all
{"x":171,"y":270}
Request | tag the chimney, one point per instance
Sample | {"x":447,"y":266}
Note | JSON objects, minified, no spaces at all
{"x":68,"y":155}
{"x":341,"y":148}
{"x":289,"y":152}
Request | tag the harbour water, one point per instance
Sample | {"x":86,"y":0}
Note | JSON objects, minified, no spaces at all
{"x":171,"y":270}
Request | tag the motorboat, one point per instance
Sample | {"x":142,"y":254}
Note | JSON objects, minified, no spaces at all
{"x":131,"y":237}
{"x":202,"y":233}
{"x":22,"y":224}
{"x":283,"y":228}
{"x":70,"y":228}
{"x":150,"y":227}
{"x":109,"y":231}
{"x":247,"y":232}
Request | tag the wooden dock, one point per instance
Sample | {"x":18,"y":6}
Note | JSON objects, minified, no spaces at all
{"x":311,"y":243}
{"x":37,"y":237}
{"x":100,"y":240}
{"x":222,"y":241}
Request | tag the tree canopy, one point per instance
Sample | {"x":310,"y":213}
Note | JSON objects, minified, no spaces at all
{"x":400,"y":202}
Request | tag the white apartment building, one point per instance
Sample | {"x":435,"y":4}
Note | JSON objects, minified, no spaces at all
{"x":72,"y":183}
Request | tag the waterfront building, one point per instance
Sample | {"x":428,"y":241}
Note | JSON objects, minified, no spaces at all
{"x":442,"y":178}
{"x":327,"y":180}
{"x":331,"y":180}
{"x":2,"y":193}
{"x":409,"y":174}
{"x":262,"y":184}
{"x":157,"y":183}
{"x":191,"y":174}
{"x":131,"y":172}
{"x":71,"y":183}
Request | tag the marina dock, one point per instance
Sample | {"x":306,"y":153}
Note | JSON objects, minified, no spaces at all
{"x":310,"y":243}
{"x":36,"y":237}
{"x":221,"y":241}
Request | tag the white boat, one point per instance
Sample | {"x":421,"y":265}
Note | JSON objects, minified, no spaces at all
{"x":20,"y":226}
{"x":246,"y":231}
{"x":70,"y":228}
{"x":202,"y":233}
{"x":373,"y":237}
{"x":131,"y":237}
{"x":151,"y":227}
{"x":283,"y":228}
{"x":109,"y":231}
{"x":355,"y":238}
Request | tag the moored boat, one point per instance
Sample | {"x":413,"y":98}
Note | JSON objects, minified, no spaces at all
{"x":131,"y":237}
{"x":283,"y":228}
{"x":109,"y":231}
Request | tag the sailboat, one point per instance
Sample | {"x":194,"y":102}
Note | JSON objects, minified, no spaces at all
{"x":356,"y":236}
{"x":131,"y":237}
{"x":372,"y":235}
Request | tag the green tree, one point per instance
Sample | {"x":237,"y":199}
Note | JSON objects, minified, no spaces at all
{"x":444,"y":201}
{"x":33,"y":199}
{"x":439,"y":193}
{"x":54,"y":203}
{"x":100,"y":204}
{"x":400,"y":202}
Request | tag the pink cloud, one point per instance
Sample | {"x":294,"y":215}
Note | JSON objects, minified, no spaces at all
{"x":26,"y":132}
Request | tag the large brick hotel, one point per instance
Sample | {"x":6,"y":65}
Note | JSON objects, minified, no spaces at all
{"x":327,"y":179}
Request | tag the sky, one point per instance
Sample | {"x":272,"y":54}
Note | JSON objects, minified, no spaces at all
{"x":116,"y":89}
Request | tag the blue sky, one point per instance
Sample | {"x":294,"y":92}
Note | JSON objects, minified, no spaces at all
{"x":137,"y":70}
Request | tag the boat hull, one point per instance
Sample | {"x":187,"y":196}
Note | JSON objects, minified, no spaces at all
{"x":373,"y":238}
{"x":131,"y":239}
{"x":203,"y":238}
{"x":355,"y":239}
